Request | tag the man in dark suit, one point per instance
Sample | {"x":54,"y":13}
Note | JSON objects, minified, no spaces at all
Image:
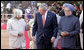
{"x":45,"y":25}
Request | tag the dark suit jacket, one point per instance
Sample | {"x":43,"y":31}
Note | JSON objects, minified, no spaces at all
{"x":50,"y":28}
{"x":70,"y":24}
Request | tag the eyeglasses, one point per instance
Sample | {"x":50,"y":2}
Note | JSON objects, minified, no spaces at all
{"x":67,"y":10}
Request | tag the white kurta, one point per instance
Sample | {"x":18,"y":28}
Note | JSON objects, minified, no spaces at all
{"x":15,"y":26}
{"x":8,"y":6}
{"x":81,"y":34}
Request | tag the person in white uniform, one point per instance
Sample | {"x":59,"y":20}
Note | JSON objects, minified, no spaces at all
{"x":81,"y":30}
{"x":16,"y":27}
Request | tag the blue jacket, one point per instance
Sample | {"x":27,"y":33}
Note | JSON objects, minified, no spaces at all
{"x":50,"y":28}
{"x":71,"y":25}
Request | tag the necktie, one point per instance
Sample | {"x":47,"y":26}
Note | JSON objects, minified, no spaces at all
{"x":43,"y":20}
{"x":43,"y":23}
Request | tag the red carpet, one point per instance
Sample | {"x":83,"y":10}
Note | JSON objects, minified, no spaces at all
{"x":59,"y":47}
{"x":27,"y":40}
{"x":4,"y":27}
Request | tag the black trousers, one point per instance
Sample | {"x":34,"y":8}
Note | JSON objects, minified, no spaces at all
{"x":44,"y":44}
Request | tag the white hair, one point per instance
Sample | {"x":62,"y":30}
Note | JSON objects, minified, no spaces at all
{"x":17,"y":13}
{"x":44,"y":6}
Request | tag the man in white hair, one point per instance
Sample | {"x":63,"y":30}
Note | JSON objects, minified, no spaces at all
{"x":16,"y":27}
{"x":45,"y":28}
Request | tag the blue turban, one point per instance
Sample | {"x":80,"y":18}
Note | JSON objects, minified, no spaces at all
{"x":70,"y":6}
{"x":65,"y":4}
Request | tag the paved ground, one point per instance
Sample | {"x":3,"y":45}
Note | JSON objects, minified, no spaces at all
{"x":4,"y":39}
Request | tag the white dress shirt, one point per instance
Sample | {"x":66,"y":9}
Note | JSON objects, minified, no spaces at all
{"x":45,"y":15}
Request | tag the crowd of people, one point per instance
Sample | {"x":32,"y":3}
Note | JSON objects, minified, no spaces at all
{"x":32,"y":9}
{"x":47,"y":23}
{"x":7,"y":10}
